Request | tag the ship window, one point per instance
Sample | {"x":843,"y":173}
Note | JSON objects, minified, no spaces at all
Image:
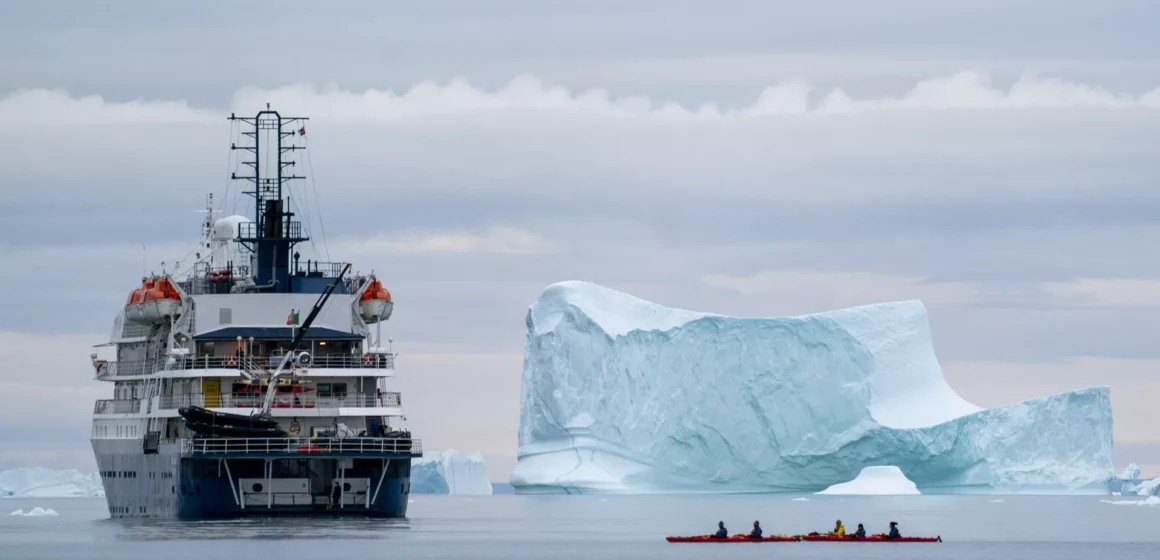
{"x":331,"y":389}
{"x":225,"y":315}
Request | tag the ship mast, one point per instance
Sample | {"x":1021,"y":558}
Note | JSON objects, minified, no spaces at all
{"x":273,"y":233}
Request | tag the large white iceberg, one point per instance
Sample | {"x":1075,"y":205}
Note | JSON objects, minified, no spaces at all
{"x":449,"y":472}
{"x":623,"y":395}
{"x":40,"y":482}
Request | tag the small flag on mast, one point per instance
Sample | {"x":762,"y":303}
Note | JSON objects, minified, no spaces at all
{"x":292,"y":319}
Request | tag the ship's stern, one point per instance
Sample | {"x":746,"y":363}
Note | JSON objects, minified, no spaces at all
{"x":367,"y":477}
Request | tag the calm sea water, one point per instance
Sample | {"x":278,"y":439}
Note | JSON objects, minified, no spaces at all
{"x":513,"y":527}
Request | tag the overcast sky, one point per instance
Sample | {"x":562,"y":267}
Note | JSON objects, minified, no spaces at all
{"x":997,"y":160}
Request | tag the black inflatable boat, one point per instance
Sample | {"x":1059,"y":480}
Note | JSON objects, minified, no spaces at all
{"x":206,"y":416}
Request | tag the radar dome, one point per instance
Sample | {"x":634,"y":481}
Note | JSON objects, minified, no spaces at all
{"x":226,"y":229}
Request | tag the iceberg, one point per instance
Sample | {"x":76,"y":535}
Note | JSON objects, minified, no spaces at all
{"x":40,"y":482}
{"x":876,"y":481}
{"x":1149,"y":501}
{"x":1131,"y":472}
{"x":34,"y":512}
{"x":1148,"y":487}
{"x":1125,"y":482}
{"x":623,"y":395}
{"x":449,"y":472}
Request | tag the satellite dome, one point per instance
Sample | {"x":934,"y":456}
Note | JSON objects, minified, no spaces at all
{"x":226,"y":229}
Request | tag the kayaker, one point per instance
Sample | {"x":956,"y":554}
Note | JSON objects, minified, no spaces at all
{"x":721,"y":532}
{"x":893,"y":534}
{"x":861,"y":532}
{"x":839,"y":529}
{"x":756,"y":533}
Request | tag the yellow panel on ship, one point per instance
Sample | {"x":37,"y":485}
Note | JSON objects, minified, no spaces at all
{"x":211,"y":388}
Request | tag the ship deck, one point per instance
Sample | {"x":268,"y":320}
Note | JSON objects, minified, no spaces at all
{"x":301,"y":447}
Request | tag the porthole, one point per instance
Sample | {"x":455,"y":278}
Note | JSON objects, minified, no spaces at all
{"x":257,"y":487}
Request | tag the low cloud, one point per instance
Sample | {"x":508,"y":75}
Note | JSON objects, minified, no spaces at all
{"x":499,"y":240}
{"x":807,"y":291}
{"x":1133,"y":383}
{"x":963,"y":90}
{"x":1107,"y":292}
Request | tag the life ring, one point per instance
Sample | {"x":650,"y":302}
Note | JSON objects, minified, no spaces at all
{"x":232,"y":360}
{"x":368,"y":360}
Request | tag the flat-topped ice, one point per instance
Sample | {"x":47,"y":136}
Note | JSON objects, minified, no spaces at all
{"x":624,"y":395}
{"x":449,"y":472}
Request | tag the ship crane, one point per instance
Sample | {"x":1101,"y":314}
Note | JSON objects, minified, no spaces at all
{"x":271,"y":390}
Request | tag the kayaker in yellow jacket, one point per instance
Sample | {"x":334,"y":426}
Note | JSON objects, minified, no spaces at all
{"x":839,"y":529}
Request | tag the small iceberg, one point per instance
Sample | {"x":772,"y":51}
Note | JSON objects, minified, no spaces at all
{"x":1149,"y":501}
{"x":34,"y":512}
{"x":800,"y":500}
{"x":1150,"y":487}
{"x":876,"y":481}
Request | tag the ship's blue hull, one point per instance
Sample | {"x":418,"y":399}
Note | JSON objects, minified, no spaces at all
{"x":212,"y":498}
{"x":166,"y":484}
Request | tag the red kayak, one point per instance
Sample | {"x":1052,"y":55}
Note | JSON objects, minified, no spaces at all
{"x":868,"y":538}
{"x":733,"y":539}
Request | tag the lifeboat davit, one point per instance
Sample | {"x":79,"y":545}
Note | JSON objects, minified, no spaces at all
{"x":375,"y":303}
{"x":154,"y":302}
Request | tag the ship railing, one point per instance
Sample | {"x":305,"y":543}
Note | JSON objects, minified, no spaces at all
{"x":250,"y":363}
{"x":266,"y":499}
{"x":283,"y":400}
{"x":336,"y":361}
{"x":117,"y":406}
{"x":300,"y":445}
{"x":317,"y":268}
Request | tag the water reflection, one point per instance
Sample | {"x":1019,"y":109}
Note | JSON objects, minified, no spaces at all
{"x":287,"y":528}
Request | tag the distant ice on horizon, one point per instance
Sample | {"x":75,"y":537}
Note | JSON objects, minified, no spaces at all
{"x":42,"y":482}
{"x":449,"y":472}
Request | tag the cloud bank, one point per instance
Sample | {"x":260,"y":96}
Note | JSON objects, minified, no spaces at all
{"x":965,"y":90}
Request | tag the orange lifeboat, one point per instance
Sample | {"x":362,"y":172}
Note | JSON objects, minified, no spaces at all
{"x":135,"y":296}
{"x":375,"y":303}
{"x":154,"y":302}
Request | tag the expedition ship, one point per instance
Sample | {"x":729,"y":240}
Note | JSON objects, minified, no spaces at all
{"x":227,"y":402}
